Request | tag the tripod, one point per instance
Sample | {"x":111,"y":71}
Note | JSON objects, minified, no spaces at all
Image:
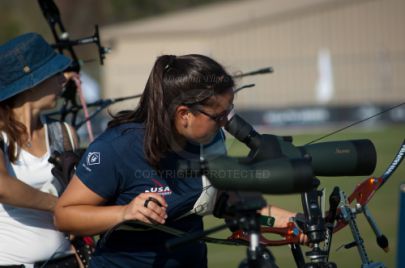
{"x":242,"y":215}
{"x":317,"y":230}
{"x":257,"y":256}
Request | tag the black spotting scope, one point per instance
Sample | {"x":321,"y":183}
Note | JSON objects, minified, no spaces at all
{"x":335,"y":158}
{"x":272,"y":176}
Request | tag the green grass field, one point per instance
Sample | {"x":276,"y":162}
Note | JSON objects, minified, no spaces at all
{"x":384,"y":205}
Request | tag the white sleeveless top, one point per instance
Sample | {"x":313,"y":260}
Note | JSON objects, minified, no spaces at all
{"x":28,"y":235}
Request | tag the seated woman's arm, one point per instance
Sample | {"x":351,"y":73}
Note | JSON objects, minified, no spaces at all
{"x":14,"y":192}
{"x":83,"y":212}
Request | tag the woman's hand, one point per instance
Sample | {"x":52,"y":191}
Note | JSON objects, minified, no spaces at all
{"x":282,"y":218}
{"x":146,"y":207}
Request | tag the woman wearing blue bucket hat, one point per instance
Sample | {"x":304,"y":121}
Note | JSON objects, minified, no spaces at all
{"x":31,"y":79}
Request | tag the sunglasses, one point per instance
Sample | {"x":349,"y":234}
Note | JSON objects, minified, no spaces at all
{"x":219,"y":118}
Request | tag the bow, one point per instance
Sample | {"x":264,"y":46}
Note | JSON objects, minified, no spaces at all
{"x":64,"y":43}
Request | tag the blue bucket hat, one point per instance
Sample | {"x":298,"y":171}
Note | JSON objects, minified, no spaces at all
{"x":27,"y":61}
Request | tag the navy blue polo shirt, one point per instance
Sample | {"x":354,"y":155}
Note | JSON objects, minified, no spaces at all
{"x":114,"y":167}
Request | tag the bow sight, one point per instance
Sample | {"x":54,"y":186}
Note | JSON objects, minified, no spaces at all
{"x":61,"y":36}
{"x":64,"y":43}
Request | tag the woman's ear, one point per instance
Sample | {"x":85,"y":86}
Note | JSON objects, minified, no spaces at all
{"x":182,"y":115}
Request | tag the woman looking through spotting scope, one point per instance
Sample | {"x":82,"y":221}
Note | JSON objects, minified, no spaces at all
{"x":129,"y":171}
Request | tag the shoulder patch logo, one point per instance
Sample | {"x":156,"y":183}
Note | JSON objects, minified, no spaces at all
{"x":93,"y":158}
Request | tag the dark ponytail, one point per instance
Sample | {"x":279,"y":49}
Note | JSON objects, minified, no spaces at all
{"x":173,"y":81}
{"x":157,"y":117}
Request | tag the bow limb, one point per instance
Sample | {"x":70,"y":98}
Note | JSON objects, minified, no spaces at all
{"x":394,"y":163}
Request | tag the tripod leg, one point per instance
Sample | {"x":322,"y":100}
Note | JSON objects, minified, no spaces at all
{"x":298,"y":256}
{"x":268,"y":258}
{"x":262,"y":258}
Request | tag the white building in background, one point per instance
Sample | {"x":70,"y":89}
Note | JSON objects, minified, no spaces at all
{"x":324,"y":52}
